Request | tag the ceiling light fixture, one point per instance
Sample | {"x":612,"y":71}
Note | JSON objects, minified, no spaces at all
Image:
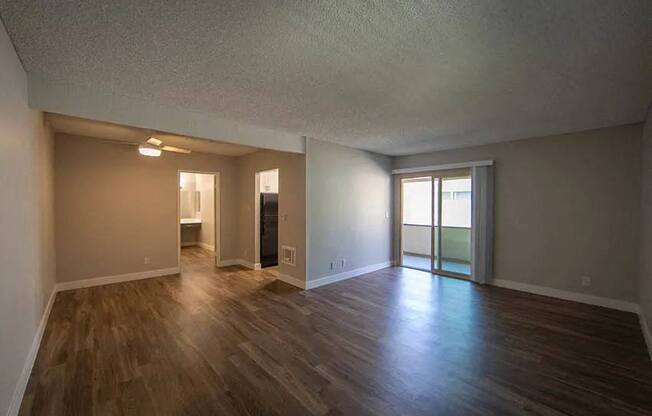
{"x":146,"y":150}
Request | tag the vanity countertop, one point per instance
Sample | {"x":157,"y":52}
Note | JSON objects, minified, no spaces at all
{"x":186,"y":221}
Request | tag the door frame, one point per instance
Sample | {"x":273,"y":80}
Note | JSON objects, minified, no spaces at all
{"x":257,"y":264}
{"x":216,"y":213}
{"x":435,"y":249}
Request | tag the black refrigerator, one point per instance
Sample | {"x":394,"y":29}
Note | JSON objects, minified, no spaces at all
{"x":268,"y":229}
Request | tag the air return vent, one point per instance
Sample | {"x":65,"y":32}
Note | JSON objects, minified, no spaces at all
{"x":289,"y":255}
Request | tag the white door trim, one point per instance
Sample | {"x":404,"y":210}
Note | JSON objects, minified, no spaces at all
{"x":217,"y":194}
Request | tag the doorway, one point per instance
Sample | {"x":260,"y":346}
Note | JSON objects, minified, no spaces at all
{"x":266,"y":200}
{"x":436,"y":223}
{"x":198,"y":217}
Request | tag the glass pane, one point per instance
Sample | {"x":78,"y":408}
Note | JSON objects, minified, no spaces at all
{"x":456,"y":225}
{"x":416,"y":238}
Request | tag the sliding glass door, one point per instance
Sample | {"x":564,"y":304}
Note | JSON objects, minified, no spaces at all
{"x":456,"y":225}
{"x":416,"y":227}
{"x":436,"y":223}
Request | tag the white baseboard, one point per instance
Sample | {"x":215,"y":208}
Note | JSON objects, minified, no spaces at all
{"x":189,"y":244}
{"x":206,"y":246}
{"x":19,"y":391}
{"x":620,"y":305}
{"x":292,"y":281}
{"x":646,"y":333}
{"x":239,"y":262}
{"x":326,"y":280}
{"x":106,"y":280}
{"x":248,"y":264}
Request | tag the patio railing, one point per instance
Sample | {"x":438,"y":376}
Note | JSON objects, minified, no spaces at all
{"x":456,"y":241}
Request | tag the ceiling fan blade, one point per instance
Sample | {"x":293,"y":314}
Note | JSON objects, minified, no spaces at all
{"x":154,"y":141}
{"x":175,"y":149}
{"x":122,"y":142}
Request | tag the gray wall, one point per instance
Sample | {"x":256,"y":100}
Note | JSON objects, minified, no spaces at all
{"x":566,"y":206}
{"x":645,"y":283}
{"x":348,"y":193}
{"x":27,"y":263}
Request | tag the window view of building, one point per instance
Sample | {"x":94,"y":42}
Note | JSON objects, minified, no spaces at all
{"x":456,"y":200}
{"x":456,"y":203}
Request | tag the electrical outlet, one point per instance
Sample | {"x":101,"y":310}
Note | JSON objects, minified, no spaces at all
{"x":332,"y":265}
{"x":145,"y":260}
{"x":386,"y":214}
{"x":586,"y":280}
{"x":342,"y":263}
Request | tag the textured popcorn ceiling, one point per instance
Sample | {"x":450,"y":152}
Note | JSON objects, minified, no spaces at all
{"x":396,"y":77}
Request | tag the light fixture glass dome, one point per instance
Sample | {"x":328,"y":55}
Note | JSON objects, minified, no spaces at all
{"x":149,"y":150}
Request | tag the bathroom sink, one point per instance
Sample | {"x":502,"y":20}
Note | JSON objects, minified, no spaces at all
{"x":187,"y":221}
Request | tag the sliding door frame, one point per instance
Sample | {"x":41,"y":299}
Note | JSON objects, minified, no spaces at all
{"x":435,"y":246}
{"x":441,"y":176}
{"x":400,"y":215}
{"x":436,"y":225}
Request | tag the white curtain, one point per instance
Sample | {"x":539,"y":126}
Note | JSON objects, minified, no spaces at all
{"x":482,"y":234}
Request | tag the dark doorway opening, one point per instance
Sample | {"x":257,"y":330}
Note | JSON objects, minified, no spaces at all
{"x":268,"y":229}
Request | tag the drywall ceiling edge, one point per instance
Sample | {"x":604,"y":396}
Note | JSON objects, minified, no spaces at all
{"x":80,"y":101}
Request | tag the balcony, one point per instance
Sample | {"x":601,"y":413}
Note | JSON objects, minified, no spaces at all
{"x":456,"y":248}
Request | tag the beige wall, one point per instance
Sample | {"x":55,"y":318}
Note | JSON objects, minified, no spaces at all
{"x":27,"y":262}
{"x":114,"y":207}
{"x":645,"y":282}
{"x":349,"y":196}
{"x":566,"y":206}
{"x":292,"y":205}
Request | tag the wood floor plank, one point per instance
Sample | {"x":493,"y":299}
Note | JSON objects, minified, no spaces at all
{"x":233,"y":341}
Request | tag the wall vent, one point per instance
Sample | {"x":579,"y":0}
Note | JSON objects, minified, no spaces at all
{"x":289,"y":255}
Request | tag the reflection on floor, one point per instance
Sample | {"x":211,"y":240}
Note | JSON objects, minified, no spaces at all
{"x":423,"y":263}
{"x":232,"y":341}
{"x":195,"y":256}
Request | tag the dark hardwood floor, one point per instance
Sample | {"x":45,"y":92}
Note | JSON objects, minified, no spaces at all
{"x":393,"y":342}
